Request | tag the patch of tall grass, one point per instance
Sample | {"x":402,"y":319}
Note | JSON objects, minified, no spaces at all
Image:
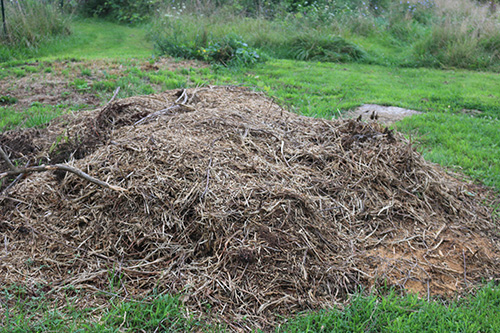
{"x":464,"y":34}
{"x":29,"y":24}
{"x":284,"y":38}
{"x":411,"y":33}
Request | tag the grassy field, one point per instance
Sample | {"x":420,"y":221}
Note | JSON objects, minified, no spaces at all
{"x":99,"y":39}
{"x":459,"y":129}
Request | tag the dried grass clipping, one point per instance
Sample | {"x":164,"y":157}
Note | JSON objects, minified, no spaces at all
{"x":241,"y":205}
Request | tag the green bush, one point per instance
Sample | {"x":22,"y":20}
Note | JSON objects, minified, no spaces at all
{"x":229,"y":50}
{"x":127,"y":11}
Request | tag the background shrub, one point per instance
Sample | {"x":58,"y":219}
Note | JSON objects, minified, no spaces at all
{"x":127,"y":11}
{"x":410,"y":33}
{"x":229,"y":50}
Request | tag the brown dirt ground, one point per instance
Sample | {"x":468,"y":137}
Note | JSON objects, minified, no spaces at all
{"x":55,"y":87}
{"x":246,"y":208}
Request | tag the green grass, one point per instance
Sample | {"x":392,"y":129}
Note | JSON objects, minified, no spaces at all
{"x":461,"y":142}
{"x":23,"y":312}
{"x":95,"y":39}
{"x":36,"y":115}
{"x":134,"y":81}
{"x":479,"y":312}
{"x":90,"y":39}
{"x":392,"y":313}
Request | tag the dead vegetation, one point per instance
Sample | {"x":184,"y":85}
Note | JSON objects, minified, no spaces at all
{"x":240,"y":205}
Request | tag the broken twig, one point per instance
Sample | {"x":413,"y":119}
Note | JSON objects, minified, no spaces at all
{"x":63,"y":167}
{"x":7,"y":159}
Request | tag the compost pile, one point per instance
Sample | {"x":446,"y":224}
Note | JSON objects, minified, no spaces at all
{"x":249,"y":211}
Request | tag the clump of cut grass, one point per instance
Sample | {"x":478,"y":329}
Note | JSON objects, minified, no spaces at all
{"x":324,"y":48}
{"x":458,"y":130}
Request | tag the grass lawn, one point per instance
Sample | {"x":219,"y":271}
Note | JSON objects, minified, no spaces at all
{"x":103,"y":39}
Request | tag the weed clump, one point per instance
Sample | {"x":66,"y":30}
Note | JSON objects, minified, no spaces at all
{"x":327,"y":48}
{"x":229,"y":50}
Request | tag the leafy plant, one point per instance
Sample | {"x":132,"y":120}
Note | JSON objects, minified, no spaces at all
{"x":231,"y":50}
{"x":228,"y":51}
{"x":80,"y":84}
{"x":7,"y":99}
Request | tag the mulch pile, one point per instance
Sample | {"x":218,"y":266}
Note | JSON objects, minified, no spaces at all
{"x":246,"y":209}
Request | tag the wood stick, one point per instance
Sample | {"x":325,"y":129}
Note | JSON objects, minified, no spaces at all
{"x":465,"y":268}
{"x":208,"y":177}
{"x":18,"y":178}
{"x":7,"y":160}
{"x":79,"y":173}
{"x":117,"y":90}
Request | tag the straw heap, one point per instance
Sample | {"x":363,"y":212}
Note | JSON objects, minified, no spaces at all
{"x":241,"y":205}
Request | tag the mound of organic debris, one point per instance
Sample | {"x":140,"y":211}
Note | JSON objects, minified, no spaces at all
{"x":246,"y":209}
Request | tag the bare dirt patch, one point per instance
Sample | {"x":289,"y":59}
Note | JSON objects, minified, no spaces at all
{"x":245,"y":208}
{"x":54,"y":83}
{"x":383,"y":114}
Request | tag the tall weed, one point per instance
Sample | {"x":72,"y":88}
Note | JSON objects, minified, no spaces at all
{"x":292,"y":37}
{"x":464,"y":34}
{"x":410,"y":33}
{"x":30,"y":23}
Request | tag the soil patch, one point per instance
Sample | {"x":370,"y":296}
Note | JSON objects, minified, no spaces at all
{"x":248,"y":210}
{"x":54,"y":83}
{"x":383,"y":114}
